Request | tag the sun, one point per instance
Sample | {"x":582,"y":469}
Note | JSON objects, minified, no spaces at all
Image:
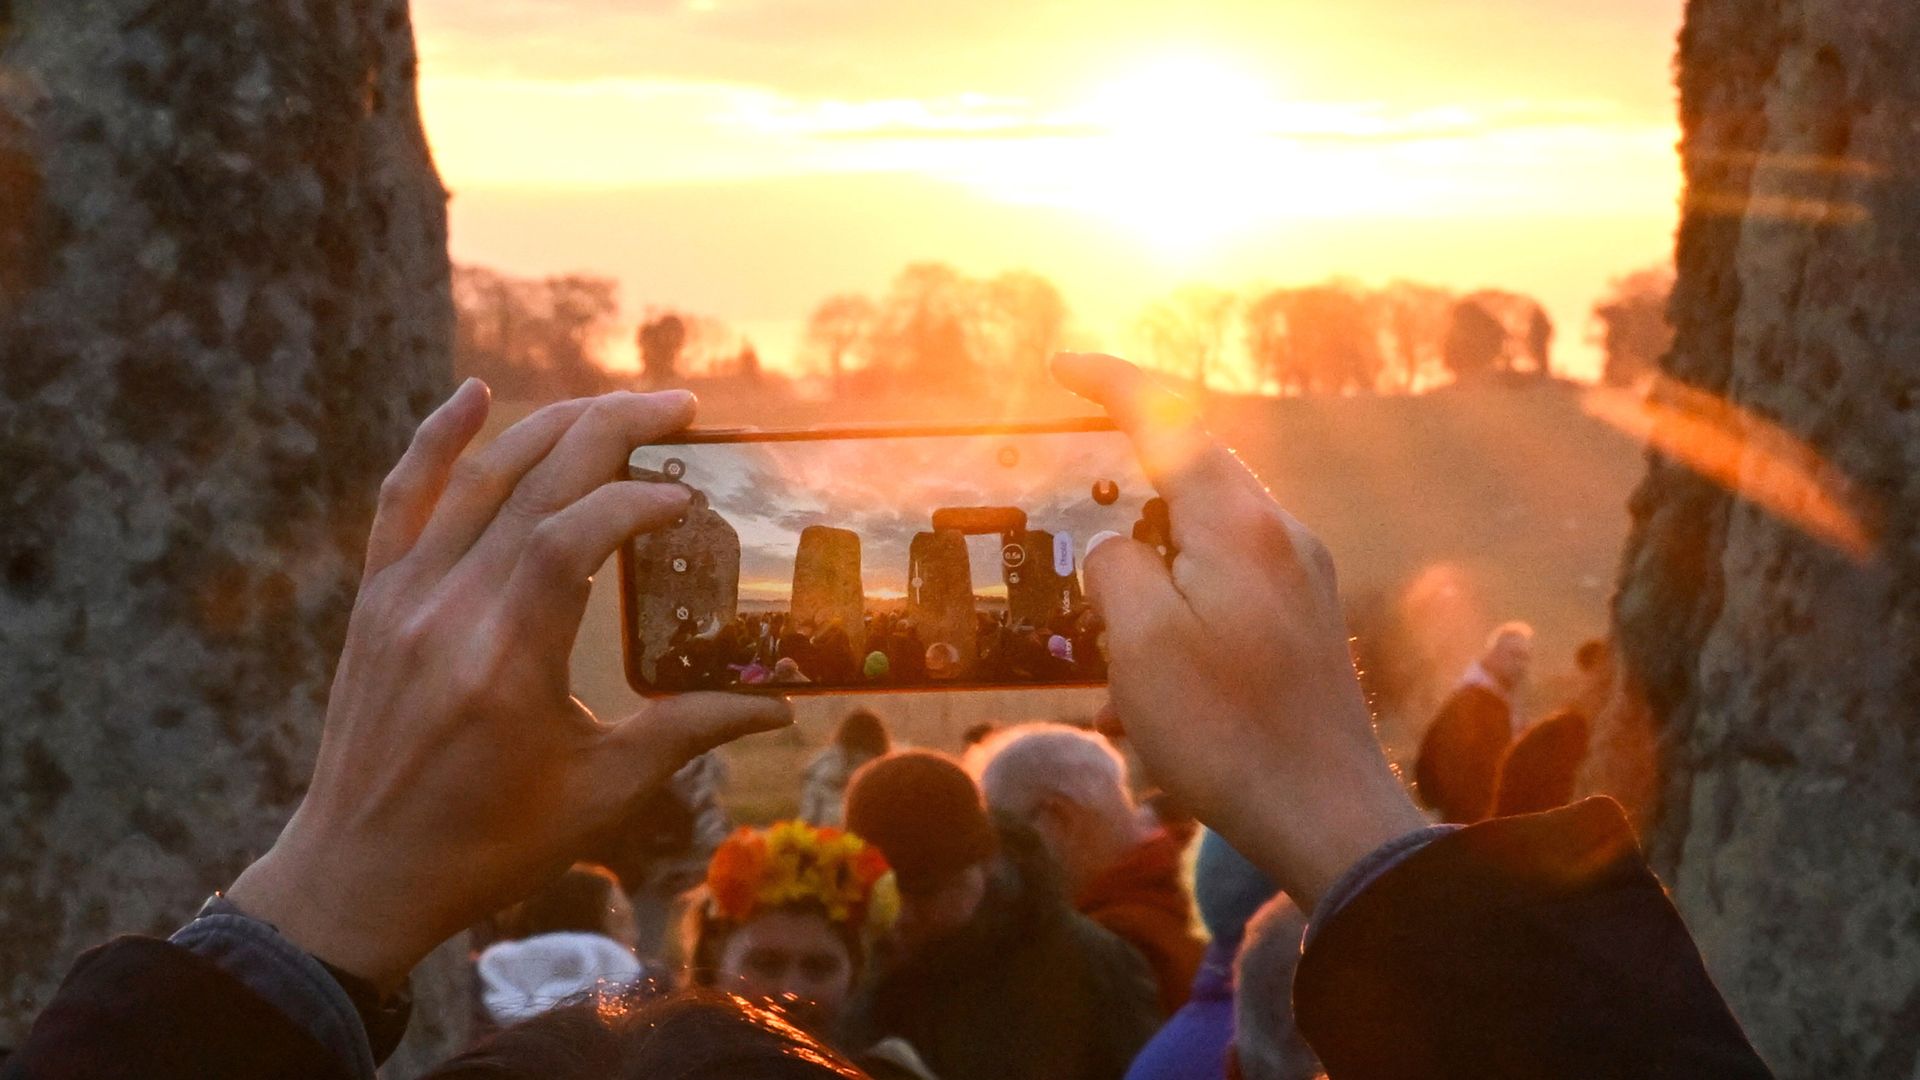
{"x":1181,"y":151}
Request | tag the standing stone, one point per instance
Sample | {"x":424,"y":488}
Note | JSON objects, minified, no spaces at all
{"x":826,"y":583}
{"x":1781,"y":662}
{"x":1040,"y":595}
{"x":224,"y":305}
{"x":940,"y":594}
{"x":691,"y":570}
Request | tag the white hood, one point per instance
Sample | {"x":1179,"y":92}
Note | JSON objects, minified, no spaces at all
{"x":525,"y":978}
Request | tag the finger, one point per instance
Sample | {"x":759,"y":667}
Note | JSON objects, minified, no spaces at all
{"x":481,"y":482}
{"x":411,"y":491}
{"x":657,"y":742}
{"x":1133,"y":592}
{"x":595,"y":450}
{"x":547,"y":589}
{"x":1195,"y":475}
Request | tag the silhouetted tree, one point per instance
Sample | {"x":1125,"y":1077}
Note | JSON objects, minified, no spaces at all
{"x":1634,"y":330}
{"x":532,"y":339}
{"x":1187,"y":332}
{"x":661,"y":339}
{"x":921,"y":333}
{"x":1316,"y":339}
{"x":1415,"y":319}
{"x":1476,"y":342}
{"x":837,"y":329}
{"x":1018,"y":320}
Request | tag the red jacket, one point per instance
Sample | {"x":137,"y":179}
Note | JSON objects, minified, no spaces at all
{"x":1143,"y":900}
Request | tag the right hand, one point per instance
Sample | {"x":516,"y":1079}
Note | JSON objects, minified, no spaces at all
{"x":1230,"y":670}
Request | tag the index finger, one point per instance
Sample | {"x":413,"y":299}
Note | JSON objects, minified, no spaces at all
{"x":1193,"y":473}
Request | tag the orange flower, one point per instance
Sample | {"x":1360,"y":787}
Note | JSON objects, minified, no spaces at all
{"x":734,"y":875}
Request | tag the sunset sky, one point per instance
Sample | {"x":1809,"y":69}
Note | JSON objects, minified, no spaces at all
{"x":745,"y":158}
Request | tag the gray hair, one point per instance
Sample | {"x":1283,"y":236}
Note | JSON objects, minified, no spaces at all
{"x":1022,"y":767}
{"x":1265,"y":1040}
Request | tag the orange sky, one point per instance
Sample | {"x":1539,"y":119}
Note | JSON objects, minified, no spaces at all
{"x":744,"y":159}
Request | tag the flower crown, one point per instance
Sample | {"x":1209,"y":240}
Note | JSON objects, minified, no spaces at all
{"x":758,"y":870}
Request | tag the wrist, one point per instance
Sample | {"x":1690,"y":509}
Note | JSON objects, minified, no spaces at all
{"x":333,"y":916}
{"x":1308,"y":842}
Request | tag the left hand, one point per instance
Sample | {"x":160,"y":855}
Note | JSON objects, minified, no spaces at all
{"x":456,"y":773}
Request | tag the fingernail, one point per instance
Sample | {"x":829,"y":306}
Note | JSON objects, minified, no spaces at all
{"x":1099,"y":538}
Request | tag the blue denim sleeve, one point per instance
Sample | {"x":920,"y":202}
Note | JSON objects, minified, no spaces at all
{"x":284,"y":976}
{"x":1371,"y":867}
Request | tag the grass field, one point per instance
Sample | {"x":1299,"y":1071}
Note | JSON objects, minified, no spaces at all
{"x":1473,"y":506}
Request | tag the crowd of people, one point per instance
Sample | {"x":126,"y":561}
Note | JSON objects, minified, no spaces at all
{"x":1012,"y":911}
{"x":779,"y":649}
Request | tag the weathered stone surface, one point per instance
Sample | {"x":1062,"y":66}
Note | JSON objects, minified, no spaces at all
{"x":1040,"y":595}
{"x":940,"y":594}
{"x":693,"y":567}
{"x":1782,"y":674}
{"x":223,"y":306}
{"x":826,"y":583}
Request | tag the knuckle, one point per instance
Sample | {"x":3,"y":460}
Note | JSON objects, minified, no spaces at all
{"x":548,"y":551}
{"x":398,"y":486}
{"x":477,"y":473}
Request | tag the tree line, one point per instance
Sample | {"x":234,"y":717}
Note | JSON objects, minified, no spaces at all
{"x":936,"y":329}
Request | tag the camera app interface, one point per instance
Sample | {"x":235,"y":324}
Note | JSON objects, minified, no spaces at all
{"x":882,"y":563}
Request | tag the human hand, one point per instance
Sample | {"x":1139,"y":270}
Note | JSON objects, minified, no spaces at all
{"x":1230,"y":671}
{"x":456,"y":773}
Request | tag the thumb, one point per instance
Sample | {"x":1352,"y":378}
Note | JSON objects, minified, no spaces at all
{"x":658,"y":741}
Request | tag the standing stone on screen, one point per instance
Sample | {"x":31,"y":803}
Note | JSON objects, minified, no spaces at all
{"x":1778,"y":653}
{"x":940,"y":594}
{"x":1041,"y":595}
{"x":826,"y":583}
{"x":692,"y":567}
{"x":224,"y":305}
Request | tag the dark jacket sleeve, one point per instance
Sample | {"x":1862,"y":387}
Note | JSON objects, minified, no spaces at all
{"x":1527,"y":947}
{"x":143,"y":1008}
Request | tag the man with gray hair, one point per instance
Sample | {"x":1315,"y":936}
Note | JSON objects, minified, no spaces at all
{"x":1070,"y":788}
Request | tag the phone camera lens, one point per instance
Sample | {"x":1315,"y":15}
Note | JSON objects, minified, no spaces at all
{"x":674,"y":468}
{"x":1009,"y":456}
{"x":1106,"y":492}
{"x":680,"y":566}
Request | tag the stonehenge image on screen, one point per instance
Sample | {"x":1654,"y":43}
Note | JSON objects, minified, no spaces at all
{"x":879,"y":563}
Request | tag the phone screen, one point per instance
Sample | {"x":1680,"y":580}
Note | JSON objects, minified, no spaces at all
{"x":814,"y":563}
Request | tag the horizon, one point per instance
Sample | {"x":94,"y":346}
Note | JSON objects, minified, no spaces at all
{"x":743,"y":161}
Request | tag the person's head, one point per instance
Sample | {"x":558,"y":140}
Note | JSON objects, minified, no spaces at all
{"x":586,"y":899}
{"x":923,"y":811}
{"x":943,"y":661}
{"x":863,"y":734}
{"x":1266,"y":1043}
{"x":1594,"y":659}
{"x":1509,"y":653}
{"x":698,"y":1035}
{"x":1069,"y":786}
{"x":785,"y":916}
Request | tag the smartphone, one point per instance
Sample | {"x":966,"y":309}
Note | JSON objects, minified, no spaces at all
{"x":879,"y":559}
